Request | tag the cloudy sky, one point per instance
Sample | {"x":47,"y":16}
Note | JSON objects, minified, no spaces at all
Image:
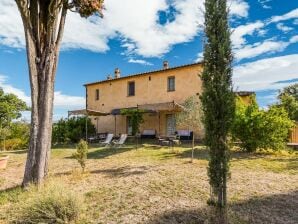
{"x":137,"y":35}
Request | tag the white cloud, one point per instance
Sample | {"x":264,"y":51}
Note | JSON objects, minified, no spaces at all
{"x":139,"y":61}
{"x":294,"y":39}
{"x":7,"y":88}
{"x":267,"y":46}
{"x":200,"y":57}
{"x":264,"y":3}
{"x":283,"y":27}
{"x":239,"y":33}
{"x":136,"y":22}
{"x":290,"y":15}
{"x":238,"y":8}
{"x":265,"y":73}
{"x":11,"y":30}
{"x":60,"y":100}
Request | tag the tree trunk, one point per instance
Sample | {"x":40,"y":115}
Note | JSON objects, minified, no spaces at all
{"x":43,"y":26}
{"x":193,"y":146}
{"x":42,"y":96}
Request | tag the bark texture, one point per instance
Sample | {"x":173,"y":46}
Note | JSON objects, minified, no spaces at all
{"x":43,"y":23}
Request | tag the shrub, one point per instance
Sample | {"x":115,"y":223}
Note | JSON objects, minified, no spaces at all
{"x":51,"y":203}
{"x":260,"y":129}
{"x":71,"y":130}
{"x":16,"y":137}
{"x":12,"y":144}
{"x":81,"y":154}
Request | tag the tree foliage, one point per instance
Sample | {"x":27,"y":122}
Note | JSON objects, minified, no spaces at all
{"x":218,"y":101}
{"x":191,"y":116}
{"x":72,"y":130}
{"x":288,"y":99}
{"x":260,"y":129}
{"x":81,"y":154}
{"x":10,"y":108}
{"x":16,"y":136}
{"x":136,"y":116}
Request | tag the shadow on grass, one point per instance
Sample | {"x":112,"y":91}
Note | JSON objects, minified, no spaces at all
{"x":123,"y":171}
{"x":274,"y":209}
{"x":13,"y":152}
{"x":107,"y":151}
{"x":184,"y":216}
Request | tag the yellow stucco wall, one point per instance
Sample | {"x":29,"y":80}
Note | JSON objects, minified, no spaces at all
{"x":113,"y":95}
{"x":150,"y":88}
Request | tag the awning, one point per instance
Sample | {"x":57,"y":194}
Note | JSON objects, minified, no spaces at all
{"x":153,"y":108}
{"x":87,"y":112}
{"x":167,"y":106}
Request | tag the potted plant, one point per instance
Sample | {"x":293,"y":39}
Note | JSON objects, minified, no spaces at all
{"x":3,"y":161}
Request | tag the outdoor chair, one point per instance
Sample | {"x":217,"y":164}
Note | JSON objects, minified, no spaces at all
{"x":121,"y":141}
{"x":108,"y":140}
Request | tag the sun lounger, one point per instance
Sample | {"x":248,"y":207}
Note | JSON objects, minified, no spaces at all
{"x":108,"y":140}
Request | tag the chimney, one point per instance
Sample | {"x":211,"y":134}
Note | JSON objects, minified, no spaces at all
{"x":117,"y":73}
{"x":109,"y":77}
{"x":165,"y":64}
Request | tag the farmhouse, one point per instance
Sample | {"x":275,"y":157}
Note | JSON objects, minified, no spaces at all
{"x":159,"y":93}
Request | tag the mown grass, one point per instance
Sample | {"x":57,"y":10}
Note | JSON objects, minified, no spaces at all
{"x":154,"y":184}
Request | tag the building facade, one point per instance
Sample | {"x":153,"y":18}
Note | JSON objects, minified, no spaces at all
{"x":162,"y":92}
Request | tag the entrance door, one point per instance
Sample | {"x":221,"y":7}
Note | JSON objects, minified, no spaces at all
{"x":171,"y":124}
{"x":129,"y":125}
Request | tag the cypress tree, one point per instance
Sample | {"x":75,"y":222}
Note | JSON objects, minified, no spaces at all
{"x":218,"y":101}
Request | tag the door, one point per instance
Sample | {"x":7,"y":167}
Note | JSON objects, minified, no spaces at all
{"x":171,"y":124}
{"x":129,"y":125}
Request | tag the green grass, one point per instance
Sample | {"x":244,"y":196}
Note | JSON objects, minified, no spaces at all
{"x":159,"y":184}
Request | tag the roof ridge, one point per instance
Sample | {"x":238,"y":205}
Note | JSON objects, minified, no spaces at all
{"x":142,"y":73}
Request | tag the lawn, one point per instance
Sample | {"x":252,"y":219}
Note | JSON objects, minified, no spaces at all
{"x":159,"y":185}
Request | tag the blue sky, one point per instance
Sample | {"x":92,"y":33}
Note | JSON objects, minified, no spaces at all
{"x":137,"y":35}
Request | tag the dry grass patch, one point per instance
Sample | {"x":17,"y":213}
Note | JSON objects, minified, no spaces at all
{"x":160,"y":185}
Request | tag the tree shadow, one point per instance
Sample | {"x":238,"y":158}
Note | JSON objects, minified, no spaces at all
{"x":107,"y":151}
{"x":18,"y":152}
{"x":273,"y":209}
{"x":183,"y":216}
{"x":124,"y":171}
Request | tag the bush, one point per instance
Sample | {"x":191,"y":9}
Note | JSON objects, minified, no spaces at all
{"x":17,"y":136}
{"x":71,"y":130}
{"x":81,"y":154}
{"x":51,"y":203}
{"x":13,"y":144}
{"x":260,"y":129}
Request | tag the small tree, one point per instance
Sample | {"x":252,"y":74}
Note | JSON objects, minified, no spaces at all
{"x":81,"y":154}
{"x":10,"y":108}
{"x":288,"y":99}
{"x":191,"y":117}
{"x":136,"y":116}
{"x":260,"y":129}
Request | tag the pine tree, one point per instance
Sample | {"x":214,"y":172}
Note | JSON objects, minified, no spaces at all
{"x":218,"y":101}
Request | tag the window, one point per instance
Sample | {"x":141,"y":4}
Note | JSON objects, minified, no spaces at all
{"x":131,"y":88}
{"x":171,"y":83}
{"x":97,"y":94}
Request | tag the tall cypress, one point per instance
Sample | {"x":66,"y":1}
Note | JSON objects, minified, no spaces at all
{"x":218,"y":101}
